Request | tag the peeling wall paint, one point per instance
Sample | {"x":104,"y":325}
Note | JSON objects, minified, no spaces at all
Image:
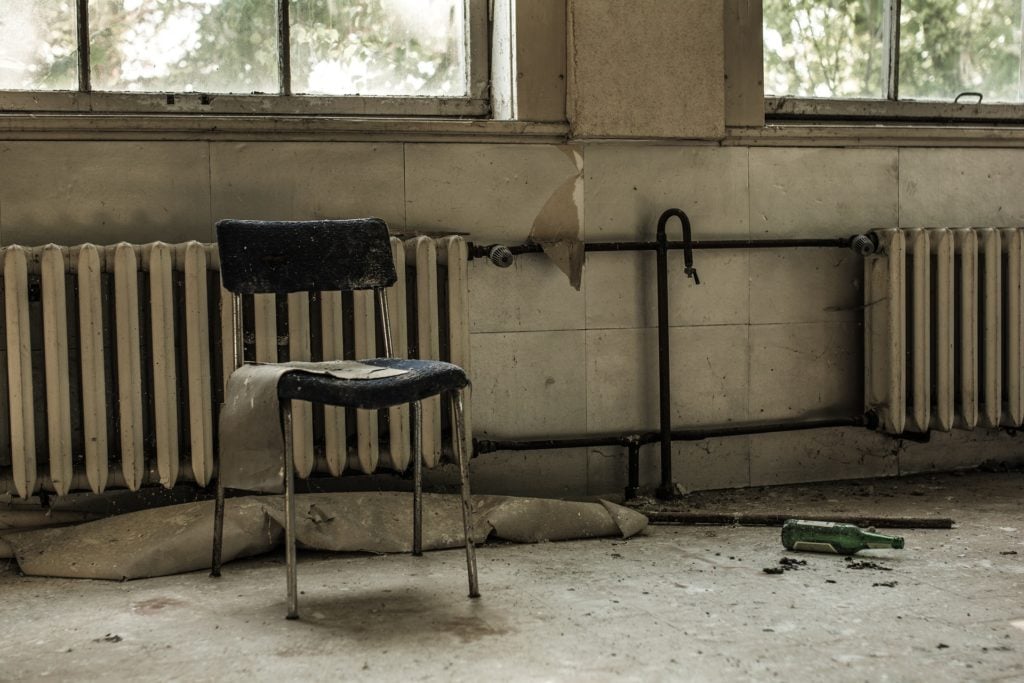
{"x":558,"y":226}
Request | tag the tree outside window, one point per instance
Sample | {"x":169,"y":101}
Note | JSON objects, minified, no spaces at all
{"x":367,"y":48}
{"x":836,"y":49}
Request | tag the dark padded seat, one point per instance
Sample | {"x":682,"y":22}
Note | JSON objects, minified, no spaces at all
{"x":424,"y":378}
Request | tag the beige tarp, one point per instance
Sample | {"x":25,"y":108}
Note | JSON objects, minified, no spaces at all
{"x":176,"y":539}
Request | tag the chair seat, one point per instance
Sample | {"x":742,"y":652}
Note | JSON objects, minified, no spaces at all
{"x":423,"y":378}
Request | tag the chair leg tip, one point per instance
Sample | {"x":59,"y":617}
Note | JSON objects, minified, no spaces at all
{"x":215,"y":574}
{"x":475,"y":594}
{"x":292,"y":617}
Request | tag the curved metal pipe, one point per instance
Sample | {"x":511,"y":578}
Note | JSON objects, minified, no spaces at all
{"x":667,"y":488}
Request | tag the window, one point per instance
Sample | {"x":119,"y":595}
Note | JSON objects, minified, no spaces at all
{"x":943,"y":59}
{"x":417,"y":57}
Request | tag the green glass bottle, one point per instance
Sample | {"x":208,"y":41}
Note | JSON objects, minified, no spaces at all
{"x":833,"y":537}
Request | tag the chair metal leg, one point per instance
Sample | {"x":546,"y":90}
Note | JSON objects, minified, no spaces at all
{"x":218,"y":529}
{"x":459,"y":441}
{"x":289,"y":510}
{"x":417,"y":478}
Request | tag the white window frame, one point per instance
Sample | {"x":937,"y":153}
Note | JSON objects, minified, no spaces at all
{"x":475,"y":103}
{"x":782,"y":108}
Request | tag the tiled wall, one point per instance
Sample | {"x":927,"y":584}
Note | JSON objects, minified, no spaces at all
{"x":767,"y":335}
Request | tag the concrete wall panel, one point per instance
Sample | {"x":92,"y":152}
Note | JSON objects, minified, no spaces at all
{"x":104,"y":192}
{"x":529,"y":384}
{"x":303,"y":180}
{"x":961,"y":187}
{"x":708,"y":370}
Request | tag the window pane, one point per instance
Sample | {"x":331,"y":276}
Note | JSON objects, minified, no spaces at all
{"x":378,"y":47}
{"x":38,"y":45}
{"x":951,"y":46}
{"x":220,"y":46}
{"x":823,"y":48}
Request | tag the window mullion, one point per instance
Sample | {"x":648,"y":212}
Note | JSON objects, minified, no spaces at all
{"x":891,"y":48}
{"x":284,"y":53}
{"x":84,"y":61}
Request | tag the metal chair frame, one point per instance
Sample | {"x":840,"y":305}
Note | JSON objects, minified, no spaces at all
{"x":458,"y":441}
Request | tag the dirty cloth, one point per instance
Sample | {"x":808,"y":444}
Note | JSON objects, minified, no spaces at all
{"x":251,"y":438}
{"x":177,"y":538}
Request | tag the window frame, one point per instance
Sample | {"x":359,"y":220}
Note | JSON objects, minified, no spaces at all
{"x":476,"y":102}
{"x":786,"y":107}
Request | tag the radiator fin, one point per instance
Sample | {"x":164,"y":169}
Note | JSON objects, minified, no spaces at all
{"x":332,"y":333}
{"x":160,"y":263}
{"x":302,"y":411}
{"x":399,"y":446}
{"x":129,"y":363}
{"x":55,"y":353}
{"x":944,"y":329}
{"x":1014,"y":330}
{"x":193,"y":260}
{"x":365,"y":344}
{"x":422,"y":252}
{"x":89,"y":267}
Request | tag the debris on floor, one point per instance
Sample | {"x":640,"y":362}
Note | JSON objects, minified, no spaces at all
{"x":786,"y":564}
{"x":177,"y":538}
{"x":866,"y":564}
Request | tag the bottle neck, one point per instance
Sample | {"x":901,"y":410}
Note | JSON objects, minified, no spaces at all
{"x":874,"y":540}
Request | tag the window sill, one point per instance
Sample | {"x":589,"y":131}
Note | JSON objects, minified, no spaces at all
{"x":271,"y":128}
{"x":807,"y":134}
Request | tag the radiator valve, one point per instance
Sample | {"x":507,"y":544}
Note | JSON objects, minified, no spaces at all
{"x":865,"y":245}
{"x":500,"y":255}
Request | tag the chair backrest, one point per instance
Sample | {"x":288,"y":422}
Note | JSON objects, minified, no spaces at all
{"x":262,"y":257}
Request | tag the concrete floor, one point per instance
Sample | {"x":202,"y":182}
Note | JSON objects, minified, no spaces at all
{"x":680,"y":603}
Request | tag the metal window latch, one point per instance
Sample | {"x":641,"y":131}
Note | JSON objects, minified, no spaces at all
{"x":968,"y":93}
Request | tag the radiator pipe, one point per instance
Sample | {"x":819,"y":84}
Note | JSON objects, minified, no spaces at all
{"x":632,"y":441}
{"x":501,"y":254}
{"x":667,"y":488}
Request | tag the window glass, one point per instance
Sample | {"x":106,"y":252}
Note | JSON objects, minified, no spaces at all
{"x":221,"y":46}
{"x":830,"y":48}
{"x":38,"y":45}
{"x":951,"y":46}
{"x":378,"y":47}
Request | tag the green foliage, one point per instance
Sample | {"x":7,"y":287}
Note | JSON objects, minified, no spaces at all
{"x":833,"y":48}
{"x":950,"y":47}
{"x":368,"y":47}
{"x":823,"y":48}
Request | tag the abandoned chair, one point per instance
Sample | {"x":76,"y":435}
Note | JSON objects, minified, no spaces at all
{"x":261,"y":257}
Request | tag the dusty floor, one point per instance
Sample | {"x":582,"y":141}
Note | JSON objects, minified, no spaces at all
{"x":680,"y":603}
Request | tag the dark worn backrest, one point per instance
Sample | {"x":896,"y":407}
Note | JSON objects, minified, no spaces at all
{"x":260,"y":257}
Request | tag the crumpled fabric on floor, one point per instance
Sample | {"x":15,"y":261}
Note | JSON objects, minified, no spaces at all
{"x":177,"y":538}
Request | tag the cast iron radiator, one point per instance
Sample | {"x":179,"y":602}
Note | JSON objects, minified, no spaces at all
{"x":944,"y":344}
{"x":116,"y":358}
